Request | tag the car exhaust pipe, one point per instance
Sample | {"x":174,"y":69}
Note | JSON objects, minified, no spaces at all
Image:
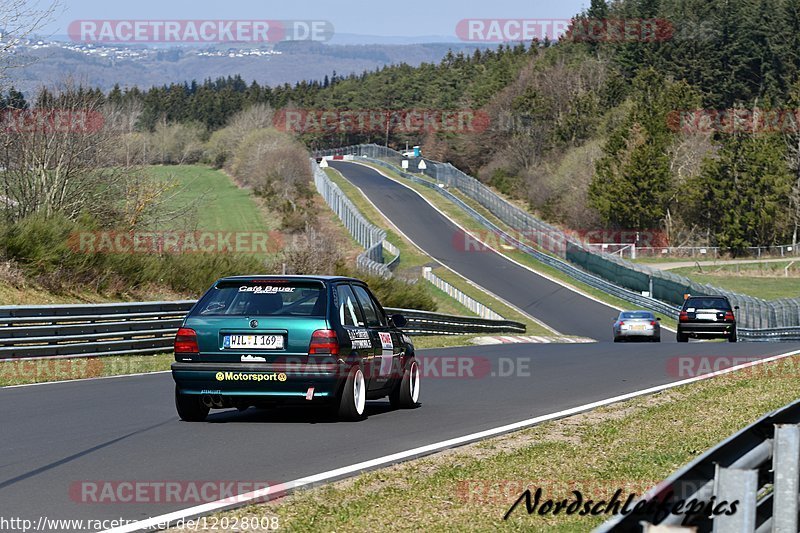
{"x":207,"y":401}
{"x":217,"y":401}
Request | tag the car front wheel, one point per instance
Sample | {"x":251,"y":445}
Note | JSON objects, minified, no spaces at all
{"x":354,"y":395}
{"x":406,"y":394}
{"x":190,"y":408}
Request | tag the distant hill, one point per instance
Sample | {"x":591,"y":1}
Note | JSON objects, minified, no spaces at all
{"x":295,"y":62}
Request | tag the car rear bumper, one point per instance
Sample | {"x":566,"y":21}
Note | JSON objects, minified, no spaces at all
{"x":264,"y":380}
{"x":710,"y":329}
{"x":626,"y":333}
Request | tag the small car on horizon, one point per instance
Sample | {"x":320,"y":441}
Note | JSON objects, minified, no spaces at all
{"x":707,"y":317}
{"x":267,"y":340}
{"x":637,"y":325}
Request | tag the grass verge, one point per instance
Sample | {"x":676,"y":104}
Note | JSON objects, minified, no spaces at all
{"x":28,"y":371}
{"x":630,"y":445}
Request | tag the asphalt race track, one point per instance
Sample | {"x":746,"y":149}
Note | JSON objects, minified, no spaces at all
{"x":564,"y":310}
{"x":59,"y":439}
{"x":55,"y":436}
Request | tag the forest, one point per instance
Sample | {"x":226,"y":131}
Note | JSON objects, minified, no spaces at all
{"x":676,"y":134}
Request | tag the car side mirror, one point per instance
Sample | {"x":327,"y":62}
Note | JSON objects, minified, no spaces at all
{"x":398,"y":321}
{"x":736,"y":307}
{"x":658,"y":318}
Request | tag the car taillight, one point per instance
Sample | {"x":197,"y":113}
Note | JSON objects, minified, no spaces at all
{"x":186,"y":341}
{"x":684,"y":317}
{"x":324,"y":341}
{"x":652,"y":322}
{"x":621,"y":322}
{"x":729,"y":315}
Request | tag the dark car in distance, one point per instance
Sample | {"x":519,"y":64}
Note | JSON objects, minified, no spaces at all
{"x":707,"y":317}
{"x":267,"y":340}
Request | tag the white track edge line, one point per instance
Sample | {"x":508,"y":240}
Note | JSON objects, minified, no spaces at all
{"x":243,"y":499}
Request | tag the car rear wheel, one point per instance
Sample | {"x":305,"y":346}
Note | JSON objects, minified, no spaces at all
{"x":406,"y":394}
{"x":190,"y":408}
{"x":732,"y":337}
{"x":682,"y":337}
{"x":354,"y":395}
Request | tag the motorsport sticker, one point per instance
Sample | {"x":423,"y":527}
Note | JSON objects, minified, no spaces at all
{"x":245,"y":376}
{"x":359,"y":339}
{"x":266,"y":289}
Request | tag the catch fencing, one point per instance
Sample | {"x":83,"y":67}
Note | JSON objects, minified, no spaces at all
{"x":639,"y":284}
{"x":145,"y":328}
{"x":759,"y":467}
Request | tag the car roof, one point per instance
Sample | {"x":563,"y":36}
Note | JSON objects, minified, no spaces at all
{"x":298,"y":278}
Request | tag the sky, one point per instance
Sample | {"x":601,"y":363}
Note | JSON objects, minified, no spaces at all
{"x":393,"y":18}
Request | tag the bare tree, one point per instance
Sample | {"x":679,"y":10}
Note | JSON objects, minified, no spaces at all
{"x":18,"y":20}
{"x":54,"y":158}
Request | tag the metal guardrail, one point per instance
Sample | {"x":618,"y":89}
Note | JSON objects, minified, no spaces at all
{"x":470,"y":303}
{"x":759,"y":466}
{"x":369,"y":236}
{"x":142,"y":328}
{"x":95,"y":329}
{"x":428,"y":323}
{"x":753,"y":310}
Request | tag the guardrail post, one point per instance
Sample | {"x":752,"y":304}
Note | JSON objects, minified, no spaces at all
{"x":731,"y":484}
{"x":787,"y":479}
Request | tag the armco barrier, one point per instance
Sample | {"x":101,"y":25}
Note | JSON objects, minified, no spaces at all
{"x":369,"y":236}
{"x":605,"y":272}
{"x":142,"y":328}
{"x":759,"y":466}
{"x":470,"y":303}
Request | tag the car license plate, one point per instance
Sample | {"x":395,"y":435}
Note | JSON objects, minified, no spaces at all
{"x":258,"y":342}
{"x":639,"y":327}
{"x":706,"y":316}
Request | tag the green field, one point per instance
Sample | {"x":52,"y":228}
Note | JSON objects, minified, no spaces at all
{"x":762,"y":280}
{"x":220,"y":204}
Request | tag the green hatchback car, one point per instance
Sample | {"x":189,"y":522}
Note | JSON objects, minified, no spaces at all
{"x":266,"y":340}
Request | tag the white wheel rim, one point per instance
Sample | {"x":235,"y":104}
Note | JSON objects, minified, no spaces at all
{"x":414,"y":382}
{"x":359,"y":397}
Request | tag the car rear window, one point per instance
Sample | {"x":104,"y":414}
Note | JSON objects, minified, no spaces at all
{"x":263,"y":298}
{"x":637,"y":314}
{"x":707,"y":303}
